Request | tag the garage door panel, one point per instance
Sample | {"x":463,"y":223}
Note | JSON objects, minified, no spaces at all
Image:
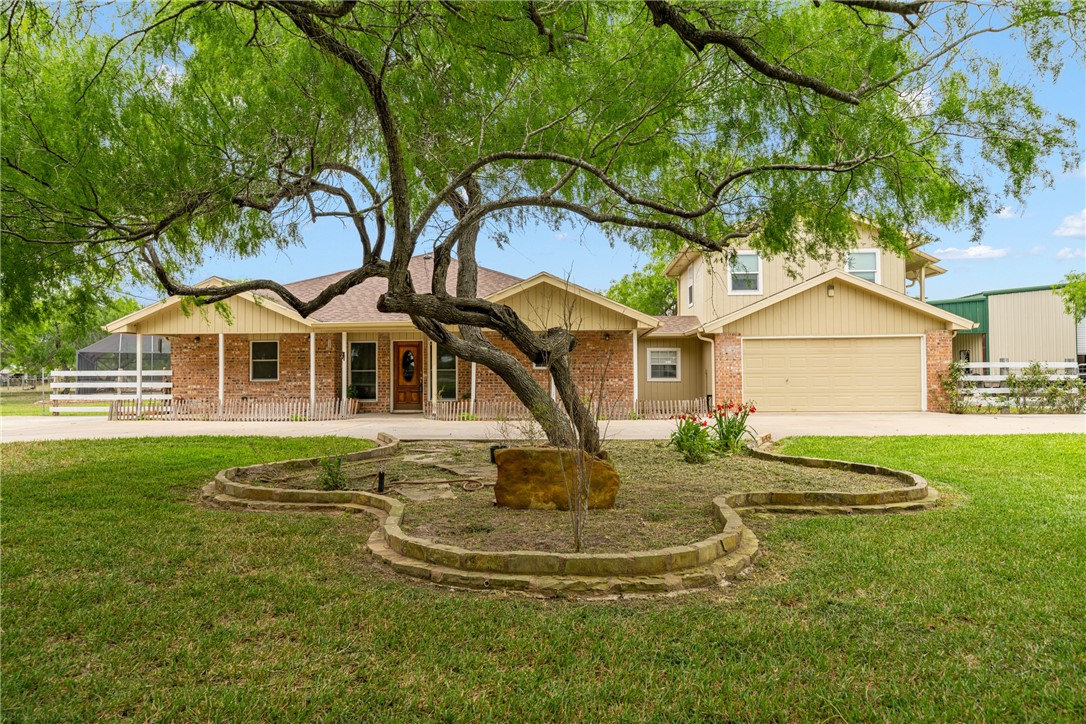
{"x":833,"y":374}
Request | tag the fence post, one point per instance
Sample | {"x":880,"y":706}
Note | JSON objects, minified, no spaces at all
{"x":139,"y":374}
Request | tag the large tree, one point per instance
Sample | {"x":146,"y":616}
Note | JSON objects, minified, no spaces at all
{"x":149,"y":137}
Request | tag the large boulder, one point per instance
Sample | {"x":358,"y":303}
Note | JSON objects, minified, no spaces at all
{"x":532,"y":477}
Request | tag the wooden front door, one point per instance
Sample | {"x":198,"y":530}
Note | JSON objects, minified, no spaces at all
{"x":407,"y":371}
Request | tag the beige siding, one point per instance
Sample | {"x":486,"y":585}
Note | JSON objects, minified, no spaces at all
{"x":693,"y":372}
{"x":248,"y":318}
{"x":544,"y":306}
{"x":833,"y":375}
{"x":973,"y":343}
{"x":711,"y":298}
{"x":1030,"y":327}
{"x":850,"y":310}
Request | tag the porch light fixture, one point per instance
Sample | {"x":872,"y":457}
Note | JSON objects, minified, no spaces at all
{"x":196,"y":340}
{"x":829,"y":291}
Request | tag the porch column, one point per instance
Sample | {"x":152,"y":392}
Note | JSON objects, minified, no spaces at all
{"x":433,"y":373}
{"x":635,"y":370}
{"x":222,"y":366}
{"x":344,"y":370}
{"x":312,"y":371}
{"x":472,"y":388}
{"x":139,"y":373}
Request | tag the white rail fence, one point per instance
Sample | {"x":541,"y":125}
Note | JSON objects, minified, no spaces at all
{"x":95,"y":390}
{"x":986,"y":382}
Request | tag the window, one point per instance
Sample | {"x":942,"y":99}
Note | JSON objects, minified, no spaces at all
{"x":745,"y":276}
{"x":364,"y":371}
{"x":264,"y":357}
{"x":663,"y":365}
{"x":446,"y":374}
{"x":864,"y":264}
{"x":690,"y":290}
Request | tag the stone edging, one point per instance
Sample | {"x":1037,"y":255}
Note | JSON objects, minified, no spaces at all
{"x":675,"y":568}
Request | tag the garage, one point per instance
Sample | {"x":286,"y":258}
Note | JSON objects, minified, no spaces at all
{"x":834,"y":374}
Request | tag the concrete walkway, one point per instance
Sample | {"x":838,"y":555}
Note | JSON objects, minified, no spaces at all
{"x":410,"y":427}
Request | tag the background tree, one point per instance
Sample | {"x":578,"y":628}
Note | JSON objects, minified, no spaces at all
{"x":1073,"y":292}
{"x":196,"y":127}
{"x":647,"y":289}
{"x":49,"y":337}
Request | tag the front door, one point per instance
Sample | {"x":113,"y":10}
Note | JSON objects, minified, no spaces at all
{"x":407,"y":371}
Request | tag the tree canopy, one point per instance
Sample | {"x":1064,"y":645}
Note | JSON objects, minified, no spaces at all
{"x":647,"y":289}
{"x":1073,"y":292}
{"x":142,"y":138}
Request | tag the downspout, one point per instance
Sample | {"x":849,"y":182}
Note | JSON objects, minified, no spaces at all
{"x":712,"y":356}
{"x":473,"y":388}
{"x":634,"y":333}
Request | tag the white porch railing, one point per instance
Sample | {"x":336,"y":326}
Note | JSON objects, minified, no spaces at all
{"x":94,"y":390}
{"x":663,"y":409}
{"x":231,"y":410}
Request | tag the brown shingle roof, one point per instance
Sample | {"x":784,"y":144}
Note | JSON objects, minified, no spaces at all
{"x":359,"y":304}
{"x":675,"y":326}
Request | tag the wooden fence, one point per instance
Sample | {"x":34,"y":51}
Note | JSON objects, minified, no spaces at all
{"x":663,"y":409}
{"x":234,"y":410}
{"x":73,"y":389}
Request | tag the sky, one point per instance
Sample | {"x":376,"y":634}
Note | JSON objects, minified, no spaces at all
{"x":1028,"y":244}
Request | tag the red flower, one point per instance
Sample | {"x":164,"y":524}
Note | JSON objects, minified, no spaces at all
{"x":704,"y":423}
{"x":753,"y":408}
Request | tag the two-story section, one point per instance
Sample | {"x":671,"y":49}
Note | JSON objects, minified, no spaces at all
{"x":839,"y":336}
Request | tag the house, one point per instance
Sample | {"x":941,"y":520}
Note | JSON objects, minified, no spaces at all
{"x":836,"y":337}
{"x":1026,"y":324}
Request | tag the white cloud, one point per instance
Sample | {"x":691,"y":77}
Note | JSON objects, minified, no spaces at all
{"x":1036,"y":250}
{"x":1069,"y":253}
{"x":980,"y":251}
{"x":1007,"y":212}
{"x":1073,"y":225}
{"x":560,"y":236}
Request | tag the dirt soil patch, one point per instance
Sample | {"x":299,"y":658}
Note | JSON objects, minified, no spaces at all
{"x":662,"y":502}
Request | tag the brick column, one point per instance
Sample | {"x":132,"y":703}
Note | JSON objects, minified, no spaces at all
{"x":938,"y":345}
{"x":728,"y":368}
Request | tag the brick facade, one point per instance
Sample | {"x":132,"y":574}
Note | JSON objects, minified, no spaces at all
{"x":939,"y":349}
{"x":195,"y":362}
{"x":728,"y":385}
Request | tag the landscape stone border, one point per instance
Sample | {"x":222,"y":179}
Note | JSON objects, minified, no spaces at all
{"x":676,"y":568}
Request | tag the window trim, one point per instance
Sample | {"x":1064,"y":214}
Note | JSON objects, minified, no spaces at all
{"x":878,"y":263}
{"x":376,"y":366}
{"x":252,"y":360}
{"x":678,"y":364}
{"x":746,"y":292}
{"x":437,"y":371}
{"x":690,"y":289}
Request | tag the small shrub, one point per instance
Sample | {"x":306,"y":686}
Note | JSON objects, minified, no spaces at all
{"x":1027,"y":387}
{"x":730,"y":428}
{"x":956,"y":387}
{"x":331,"y":475}
{"x":691,"y":438}
{"x":1065,"y":396}
{"x":467,"y":417}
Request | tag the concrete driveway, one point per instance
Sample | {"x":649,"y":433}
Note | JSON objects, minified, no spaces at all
{"x":410,"y":427}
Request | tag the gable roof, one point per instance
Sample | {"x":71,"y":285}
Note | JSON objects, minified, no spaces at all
{"x":274,"y":304}
{"x":358,"y":306}
{"x":956,"y":322}
{"x":545,"y":278}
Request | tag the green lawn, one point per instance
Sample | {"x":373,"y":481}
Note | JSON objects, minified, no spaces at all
{"x":14,"y":401}
{"x":123,"y":598}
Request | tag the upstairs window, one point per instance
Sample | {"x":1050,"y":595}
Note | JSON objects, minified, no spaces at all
{"x":663,"y":365}
{"x":745,"y":275}
{"x":864,"y":264}
{"x":264,"y":359}
{"x":446,"y":374}
{"x":690,"y":291}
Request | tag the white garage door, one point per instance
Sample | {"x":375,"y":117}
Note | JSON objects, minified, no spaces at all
{"x":866,"y":374}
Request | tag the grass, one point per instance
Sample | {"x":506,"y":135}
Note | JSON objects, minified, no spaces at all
{"x":662,"y":502}
{"x":123,"y":598}
{"x":17,"y":401}
{"x":21,"y":402}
